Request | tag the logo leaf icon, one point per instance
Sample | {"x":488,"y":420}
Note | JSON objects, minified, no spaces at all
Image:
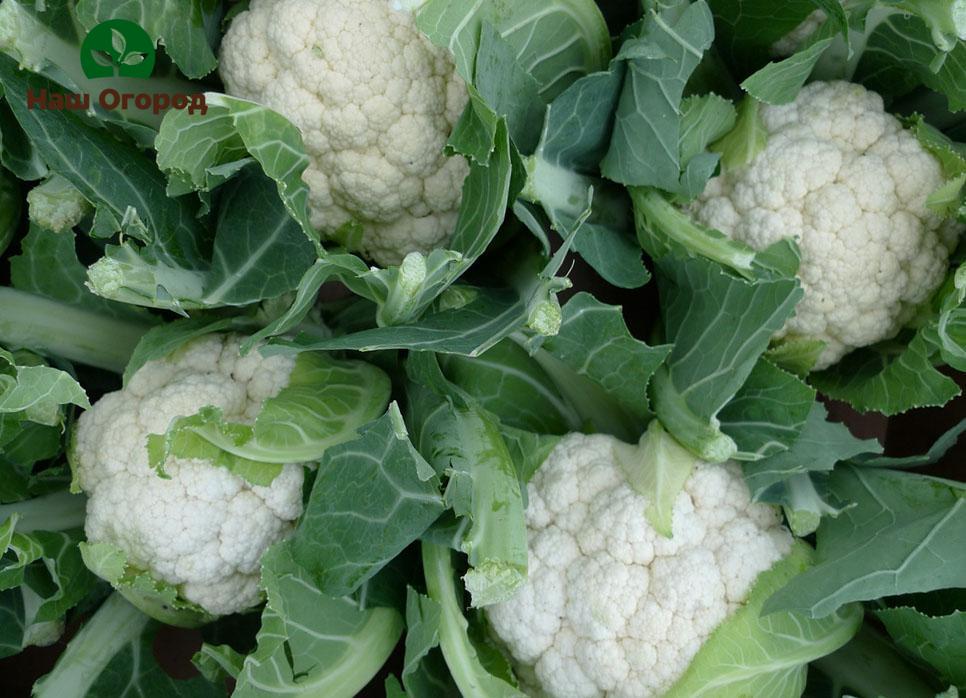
{"x":103,"y":59}
{"x":132,"y":58}
{"x":117,"y":47}
{"x":118,"y":42}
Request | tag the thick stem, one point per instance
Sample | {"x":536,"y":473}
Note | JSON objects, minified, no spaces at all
{"x":116,"y":624}
{"x":655,"y":217}
{"x":461,"y":658}
{"x":371,"y":646}
{"x":869,"y":667}
{"x":54,"y":328}
{"x":59,"y":511}
{"x":702,"y":437}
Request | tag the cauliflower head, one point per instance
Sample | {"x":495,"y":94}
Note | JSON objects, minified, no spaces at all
{"x":375,"y":102}
{"x":612,"y":608}
{"x":843,"y":178}
{"x":204,"y":529}
{"x":57,"y":205}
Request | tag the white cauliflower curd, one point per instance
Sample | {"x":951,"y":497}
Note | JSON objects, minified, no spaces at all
{"x":204,"y":529}
{"x":375,"y":102}
{"x":843,"y":178}
{"x":613,"y":608}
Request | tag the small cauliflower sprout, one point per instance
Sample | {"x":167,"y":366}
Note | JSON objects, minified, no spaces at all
{"x":375,"y":102}
{"x":175,"y":522}
{"x":840,"y":176}
{"x":56,"y":205}
{"x":614,"y":608}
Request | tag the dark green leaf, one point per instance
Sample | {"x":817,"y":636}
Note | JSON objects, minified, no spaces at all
{"x":903,"y":535}
{"x":371,"y":498}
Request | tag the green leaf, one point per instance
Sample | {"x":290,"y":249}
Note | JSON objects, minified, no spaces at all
{"x":310,"y":643}
{"x":951,"y":155}
{"x":528,"y":450}
{"x":821,"y":445}
{"x":901,"y":536}
{"x":324,"y":404}
{"x":46,"y":561}
{"x":900,"y":53}
{"x":507,"y":382}
{"x":595,"y":343}
{"x":746,"y":140}
{"x":757,"y":655}
{"x":720,"y":325}
{"x":259,"y":250}
{"x":48,"y":266}
{"x":422,"y":674}
{"x":562,"y":178}
{"x":155,"y":598}
{"x":508,"y":89}
{"x":779,"y":81}
{"x":939,"y":449}
{"x":372,"y":497}
{"x":18,"y":626}
{"x":804,"y":505}
{"x":465,"y":443}
{"x":112,"y":655}
{"x":17,"y":153}
{"x":556,"y":44}
{"x":129,"y":186}
{"x":469,"y":321}
{"x":873,"y":380}
{"x":940,"y":641}
{"x":767,"y":415}
{"x":796,"y":354}
{"x":871,"y":665}
{"x":704,"y":119}
{"x":657,"y":469}
{"x":188,"y":30}
{"x":644,"y":148}
{"x":37,"y":392}
{"x":470,"y":330}
{"x":200,"y":151}
{"x":746,"y":29}
{"x":10,"y":204}
{"x":218,"y":662}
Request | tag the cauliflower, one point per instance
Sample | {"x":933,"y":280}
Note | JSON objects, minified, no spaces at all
{"x":849,"y":184}
{"x":202,"y":529}
{"x":613,"y":608}
{"x":375,"y":102}
{"x":57,"y":205}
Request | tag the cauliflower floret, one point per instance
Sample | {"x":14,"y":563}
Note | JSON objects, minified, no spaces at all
{"x":375,"y":102}
{"x":841,"y":177}
{"x":611,"y":607}
{"x":57,"y":205}
{"x":202,"y":529}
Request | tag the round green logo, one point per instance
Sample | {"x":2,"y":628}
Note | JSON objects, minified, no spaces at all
{"x":117,"y":48}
